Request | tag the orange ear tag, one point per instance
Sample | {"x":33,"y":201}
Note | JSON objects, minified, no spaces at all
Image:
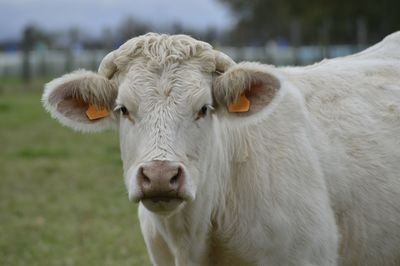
{"x":241,"y":106}
{"x":93,"y":113}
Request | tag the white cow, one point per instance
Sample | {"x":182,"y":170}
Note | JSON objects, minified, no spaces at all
{"x":308,"y":175}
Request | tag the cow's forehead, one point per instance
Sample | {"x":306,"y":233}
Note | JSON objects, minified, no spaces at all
{"x":147,"y":83}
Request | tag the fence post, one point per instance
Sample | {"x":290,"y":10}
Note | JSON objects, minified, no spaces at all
{"x":324,"y":38}
{"x":27,"y":43}
{"x":295,"y":36}
{"x":362,"y":33}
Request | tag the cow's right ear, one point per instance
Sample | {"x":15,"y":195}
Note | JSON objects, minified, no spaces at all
{"x":69,"y":97}
{"x":246,"y":88}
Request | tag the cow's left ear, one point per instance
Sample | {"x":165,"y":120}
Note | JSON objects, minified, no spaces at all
{"x":245,"y":88}
{"x":82,"y":100}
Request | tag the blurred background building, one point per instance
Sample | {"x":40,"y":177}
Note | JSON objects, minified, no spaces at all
{"x":44,"y":38}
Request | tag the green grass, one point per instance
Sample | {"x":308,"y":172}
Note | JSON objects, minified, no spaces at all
{"x":62,"y":197}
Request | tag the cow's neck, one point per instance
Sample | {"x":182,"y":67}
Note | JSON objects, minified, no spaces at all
{"x":194,"y":222}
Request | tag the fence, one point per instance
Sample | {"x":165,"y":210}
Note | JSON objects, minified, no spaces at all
{"x":55,"y":62}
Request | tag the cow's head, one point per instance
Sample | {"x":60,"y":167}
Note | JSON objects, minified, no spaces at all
{"x":163,"y":93}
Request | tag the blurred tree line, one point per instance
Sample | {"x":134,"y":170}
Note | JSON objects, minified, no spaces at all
{"x":313,"y":21}
{"x":292,"y":23}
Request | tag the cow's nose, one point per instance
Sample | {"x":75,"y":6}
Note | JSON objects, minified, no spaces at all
{"x":160,"y":180}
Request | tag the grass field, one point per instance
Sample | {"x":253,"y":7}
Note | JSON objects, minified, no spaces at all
{"x":62,"y":198}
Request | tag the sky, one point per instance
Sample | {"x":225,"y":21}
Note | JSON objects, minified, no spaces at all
{"x":94,"y":15}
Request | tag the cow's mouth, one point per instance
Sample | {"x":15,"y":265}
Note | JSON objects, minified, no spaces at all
{"x":162,"y":199}
{"x":162,"y":204}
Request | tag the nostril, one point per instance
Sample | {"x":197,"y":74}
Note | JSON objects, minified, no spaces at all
{"x":143,"y":178}
{"x":175,"y":179}
{"x":146,"y":180}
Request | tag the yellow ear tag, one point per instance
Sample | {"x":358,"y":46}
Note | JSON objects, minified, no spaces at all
{"x":241,"y":106}
{"x":93,"y":113}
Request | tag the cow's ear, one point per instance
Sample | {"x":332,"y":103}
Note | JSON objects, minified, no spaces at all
{"x":69,"y":97}
{"x":245,"y":88}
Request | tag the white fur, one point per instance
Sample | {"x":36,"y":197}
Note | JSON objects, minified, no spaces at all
{"x":312,"y":179}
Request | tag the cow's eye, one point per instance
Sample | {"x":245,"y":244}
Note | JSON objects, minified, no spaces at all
{"x":122,"y":109}
{"x":202,"y":112}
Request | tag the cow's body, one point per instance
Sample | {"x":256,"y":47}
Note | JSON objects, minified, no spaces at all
{"x":312,"y":177}
{"x":357,"y":114}
{"x":329,"y":153}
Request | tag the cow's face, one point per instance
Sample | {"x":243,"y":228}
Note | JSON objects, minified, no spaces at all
{"x":164,"y":111}
{"x":164,"y":116}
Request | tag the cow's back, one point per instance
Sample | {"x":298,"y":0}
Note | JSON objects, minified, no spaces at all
{"x":354,"y":103}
